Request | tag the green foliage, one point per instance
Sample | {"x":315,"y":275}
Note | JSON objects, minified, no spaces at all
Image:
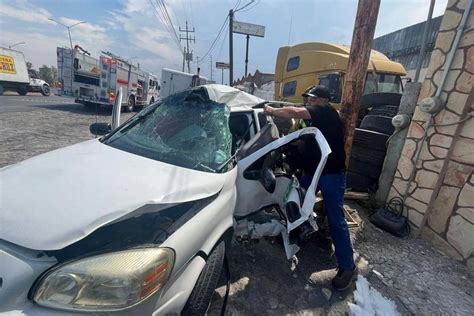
{"x":48,"y":74}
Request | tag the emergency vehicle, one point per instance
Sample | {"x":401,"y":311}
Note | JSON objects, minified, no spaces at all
{"x":94,"y":81}
{"x":78,"y":73}
{"x":140,"y":88}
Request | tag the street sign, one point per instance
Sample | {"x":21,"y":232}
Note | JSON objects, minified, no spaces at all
{"x":248,"y":29}
{"x":221,"y":65}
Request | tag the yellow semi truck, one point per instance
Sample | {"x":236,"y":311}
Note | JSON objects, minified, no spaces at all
{"x":300,"y":66}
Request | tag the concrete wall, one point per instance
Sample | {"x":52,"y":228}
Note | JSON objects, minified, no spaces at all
{"x":440,"y":205}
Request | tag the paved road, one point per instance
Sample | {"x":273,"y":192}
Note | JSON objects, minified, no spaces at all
{"x":32,"y":102}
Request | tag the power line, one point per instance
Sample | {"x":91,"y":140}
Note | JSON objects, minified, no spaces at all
{"x":161,"y":16}
{"x":244,"y":6}
{"x":223,"y":41}
{"x":248,"y":9}
{"x":217,"y":37}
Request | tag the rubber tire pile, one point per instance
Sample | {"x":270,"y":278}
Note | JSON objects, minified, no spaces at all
{"x":369,"y":145}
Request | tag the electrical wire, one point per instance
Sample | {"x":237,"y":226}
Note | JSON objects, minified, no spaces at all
{"x":164,"y":21}
{"x":217,"y":38}
{"x":248,"y":9}
{"x":455,"y":123}
{"x":223,"y":41}
{"x":244,"y":6}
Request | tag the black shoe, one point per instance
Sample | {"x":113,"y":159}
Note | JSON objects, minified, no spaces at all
{"x":344,"y":279}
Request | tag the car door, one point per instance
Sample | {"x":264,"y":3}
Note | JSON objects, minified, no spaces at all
{"x":252,"y":196}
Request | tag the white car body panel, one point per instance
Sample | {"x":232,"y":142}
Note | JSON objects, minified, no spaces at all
{"x":55,"y":212}
{"x":56,"y":199}
{"x":253,"y":196}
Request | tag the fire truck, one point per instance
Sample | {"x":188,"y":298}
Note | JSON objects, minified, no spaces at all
{"x":95,"y":82}
{"x":78,"y":73}
{"x":139,"y":88}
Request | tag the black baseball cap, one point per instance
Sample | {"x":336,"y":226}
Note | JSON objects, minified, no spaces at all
{"x":318,"y":92}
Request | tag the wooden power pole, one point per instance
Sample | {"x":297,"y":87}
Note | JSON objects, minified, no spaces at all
{"x":364,"y":29}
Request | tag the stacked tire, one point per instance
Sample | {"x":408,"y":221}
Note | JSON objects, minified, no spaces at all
{"x":368,"y":155}
{"x":370,"y":138}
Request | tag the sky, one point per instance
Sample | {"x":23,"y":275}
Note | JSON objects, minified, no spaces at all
{"x":135,"y":29}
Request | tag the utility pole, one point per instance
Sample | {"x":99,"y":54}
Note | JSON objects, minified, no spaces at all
{"x":247,"y":55}
{"x":188,"y":55}
{"x":231,"y":47}
{"x":211,"y":68}
{"x":184,"y":58}
{"x":364,"y":29}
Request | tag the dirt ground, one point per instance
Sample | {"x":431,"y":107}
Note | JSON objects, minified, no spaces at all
{"x":419,"y":279}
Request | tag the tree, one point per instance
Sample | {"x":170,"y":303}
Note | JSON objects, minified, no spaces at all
{"x":48,"y":74}
{"x":29,"y":65}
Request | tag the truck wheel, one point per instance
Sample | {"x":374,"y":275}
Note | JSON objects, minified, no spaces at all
{"x":22,"y":91}
{"x":45,"y":90}
{"x":130,"y":105}
{"x":200,"y":298}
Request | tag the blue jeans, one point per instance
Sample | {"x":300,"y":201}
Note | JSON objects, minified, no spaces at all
{"x":332,"y":187}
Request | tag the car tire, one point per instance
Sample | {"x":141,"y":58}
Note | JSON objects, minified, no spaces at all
{"x":200,"y":298}
{"x":384,"y":110}
{"x":370,"y":139}
{"x":366,"y":168}
{"x":130,"y":105}
{"x":45,"y":90}
{"x":368,"y":155}
{"x":378,"y":123}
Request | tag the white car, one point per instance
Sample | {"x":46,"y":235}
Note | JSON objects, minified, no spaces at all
{"x":36,"y":84}
{"x":137,"y":222}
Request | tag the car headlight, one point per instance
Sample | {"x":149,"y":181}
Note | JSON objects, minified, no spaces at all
{"x":105,"y":282}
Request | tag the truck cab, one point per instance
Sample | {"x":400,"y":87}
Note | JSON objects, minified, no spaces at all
{"x":303,"y":65}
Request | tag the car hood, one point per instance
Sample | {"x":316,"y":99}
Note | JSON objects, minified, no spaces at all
{"x":55,"y":199}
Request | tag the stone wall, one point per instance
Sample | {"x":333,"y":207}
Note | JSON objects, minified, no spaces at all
{"x":440,"y":204}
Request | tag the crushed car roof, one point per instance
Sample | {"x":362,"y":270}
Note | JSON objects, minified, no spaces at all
{"x":234,"y":98}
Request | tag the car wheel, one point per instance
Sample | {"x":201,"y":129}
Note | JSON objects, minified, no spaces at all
{"x":200,"y":297}
{"x":378,"y":123}
{"x":130,"y":105}
{"x":45,"y":90}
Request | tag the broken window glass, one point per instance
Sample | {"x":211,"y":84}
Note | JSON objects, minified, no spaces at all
{"x":186,"y":129}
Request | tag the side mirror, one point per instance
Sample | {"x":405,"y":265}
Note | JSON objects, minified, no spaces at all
{"x":117,"y":109}
{"x":268,"y":180}
{"x":100,"y":128}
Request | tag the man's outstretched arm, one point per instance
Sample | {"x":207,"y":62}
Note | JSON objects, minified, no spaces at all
{"x":289,"y":112}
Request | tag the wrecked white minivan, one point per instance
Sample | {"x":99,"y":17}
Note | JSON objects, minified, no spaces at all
{"x":137,"y":222}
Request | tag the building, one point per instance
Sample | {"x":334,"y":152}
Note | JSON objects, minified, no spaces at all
{"x":404,"y":46}
{"x":259,"y":78}
{"x":435,"y":171}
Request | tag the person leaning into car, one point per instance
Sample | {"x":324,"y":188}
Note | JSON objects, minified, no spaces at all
{"x":319,"y":113}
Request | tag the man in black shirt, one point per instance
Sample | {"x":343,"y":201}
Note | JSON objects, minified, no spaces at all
{"x":332,"y":182}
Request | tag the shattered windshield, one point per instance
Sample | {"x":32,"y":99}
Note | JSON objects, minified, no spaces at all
{"x":186,"y":129}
